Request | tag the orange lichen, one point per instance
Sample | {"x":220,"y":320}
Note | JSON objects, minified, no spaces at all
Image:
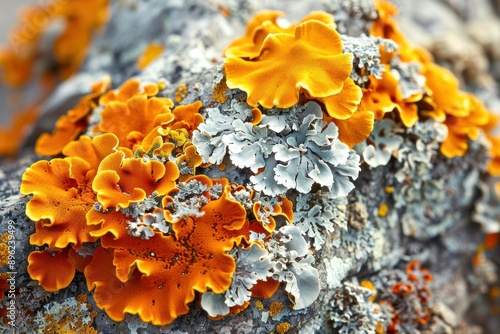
{"x":162,"y":273}
{"x":463,"y":129}
{"x":382,"y":210}
{"x":150,"y":53}
{"x":129,"y":89}
{"x":494,"y":140}
{"x":384,"y":96}
{"x":4,"y":249}
{"x":275,"y":308}
{"x":264,"y":215}
{"x":73,"y":123}
{"x":263,"y":24}
{"x":283,"y":327}
{"x":11,"y":138}
{"x":123,"y":180}
{"x":187,"y":117}
{"x":16,"y":70}
{"x":386,"y":27}
{"x":354,"y":130}
{"x":310,"y":61}
{"x":219,"y":92}
{"x":61,"y":197}
{"x":181,"y":92}
{"x":259,"y":305}
{"x":369,"y":285}
{"x":80,"y":20}
{"x":142,"y":115}
{"x":53,"y":271}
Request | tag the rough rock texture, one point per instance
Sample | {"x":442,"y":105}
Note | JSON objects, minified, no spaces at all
{"x":431,"y":207}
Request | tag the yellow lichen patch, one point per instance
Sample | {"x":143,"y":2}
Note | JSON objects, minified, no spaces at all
{"x":283,"y":327}
{"x":163,"y":272}
{"x":73,"y":123}
{"x":11,"y":137}
{"x":389,"y":189}
{"x":382,"y":210}
{"x":73,"y":316}
{"x":275,"y":308}
{"x":4,"y":249}
{"x":122,"y":180}
{"x":181,"y":93}
{"x":259,"y":305}
{"x":150,"y":53}
{"x":53,"y":271}
{"x":219,"y":92}
{"x":369,"y":285}
{"x":310,"y":61}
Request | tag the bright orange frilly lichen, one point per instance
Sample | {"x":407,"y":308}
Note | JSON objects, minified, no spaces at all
{"x":162,"y":273}
{"x":61,"y":197}
{"x":311,"y":62}
{"x":71,"y":125}
{"x":263,"y":24}
{"x":123,"y":180}
{"x":463,"y":129}
{"x":11,"y":137}
{"x":52,"y":270}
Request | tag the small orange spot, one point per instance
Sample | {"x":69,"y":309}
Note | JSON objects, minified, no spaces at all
{"x":369,"y":285}
{"x":275,"y":308}
{"x":222,"y":166}
{"x":219,"y":92}
{"x":382,"y":210}
{"x":81,"y":298}
{"x":225,"y":11}
{"x":283,"y":327}
{"x":259,"y":305}
{"x":149,"y":54}
{"x":389,"y":189}
{"x":181,"y":93}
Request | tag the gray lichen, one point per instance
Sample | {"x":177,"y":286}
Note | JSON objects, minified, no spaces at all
{"x":303,"y":151}
{"x":366,"y":56}
{"x":318,"y":214}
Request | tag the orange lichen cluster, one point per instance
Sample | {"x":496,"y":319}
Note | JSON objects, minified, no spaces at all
{"x":80,"y":18}
{"x":278,"y":67}
{"x":163,"y":272}
{"x":73,"y":123}
{"x":462,"y":113}
{"x":88,"y":197}
{"x":415,"y":291}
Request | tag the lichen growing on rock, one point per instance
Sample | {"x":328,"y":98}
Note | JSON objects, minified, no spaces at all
{"x":285,"y":184}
